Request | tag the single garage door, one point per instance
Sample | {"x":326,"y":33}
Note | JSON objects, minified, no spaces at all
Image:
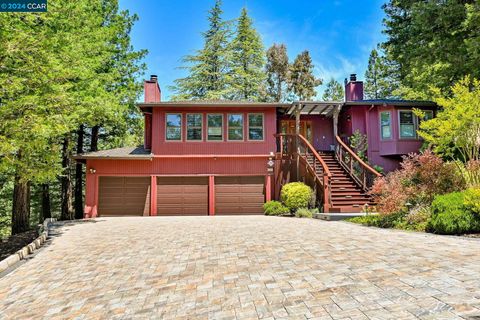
{"x":182,"y":195}
{"x":124,"y":196}
{"x":239,"y":195}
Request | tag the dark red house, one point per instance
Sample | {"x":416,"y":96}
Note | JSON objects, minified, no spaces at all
{"x":224,"y":157}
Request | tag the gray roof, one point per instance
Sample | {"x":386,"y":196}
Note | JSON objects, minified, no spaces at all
{"x":130,"y":153}
{"x":392,"y":102}
{"x":212,"y":103}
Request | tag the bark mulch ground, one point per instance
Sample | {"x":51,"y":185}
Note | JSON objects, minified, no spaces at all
{"x":16,"y":242}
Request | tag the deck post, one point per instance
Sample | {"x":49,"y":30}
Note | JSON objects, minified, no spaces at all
{"x":153,"y":195}
{"x":297,"y":142}
{"x":211,"y":195}
{"x":268,"y":188}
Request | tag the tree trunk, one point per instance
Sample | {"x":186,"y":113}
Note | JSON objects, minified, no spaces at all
{"x":66,"y":182}
{"x":46,"y":207}
{"x":94,"y":138}
{"x":21,"y":206}
{"x":79,"y":177}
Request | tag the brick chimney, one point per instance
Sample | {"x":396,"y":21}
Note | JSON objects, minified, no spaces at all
{"x":152,"y":89}
{"x":353,"y":89}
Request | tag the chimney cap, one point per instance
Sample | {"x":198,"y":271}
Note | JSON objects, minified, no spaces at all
{"x":353,"y":77}
{"x":153,"y":77}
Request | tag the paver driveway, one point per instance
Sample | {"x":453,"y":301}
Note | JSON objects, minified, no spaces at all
{"x":244,"y":267}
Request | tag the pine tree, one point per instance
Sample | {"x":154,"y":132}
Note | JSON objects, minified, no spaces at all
{"x":207,"y":69}
{"x":247,"y":59}
{"x":302,"y":80}
{"x":277,"y":68}
{"x":334,"y":91}
{"x":380,"y":81}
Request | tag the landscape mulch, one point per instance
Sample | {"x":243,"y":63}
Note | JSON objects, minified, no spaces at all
{"x":16,"y":242}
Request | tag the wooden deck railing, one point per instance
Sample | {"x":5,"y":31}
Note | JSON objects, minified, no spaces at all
{"x":360,"y":171}
{"x":309,"y":163}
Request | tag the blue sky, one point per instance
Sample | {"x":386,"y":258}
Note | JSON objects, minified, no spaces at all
{"x":338,"y":33}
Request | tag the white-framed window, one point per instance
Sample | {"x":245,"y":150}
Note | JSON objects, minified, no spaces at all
{"x":407,"y":125}
{"x":173,"y":127}
{"x":255,"y":126}
{"x":194,"y":127}
{"x":385,"y":125}
{"x":215,"y":127}
{"x":235,"y":127}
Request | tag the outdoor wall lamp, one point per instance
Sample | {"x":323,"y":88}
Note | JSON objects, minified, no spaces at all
{"x":92,"y":170}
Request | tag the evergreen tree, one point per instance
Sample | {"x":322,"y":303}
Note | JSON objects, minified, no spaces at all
{"x":302,"y":80}
{"x":208,"y":69}
{"x":433,"y":43}
{"x":334,"y":91}
{"x":277,"y":69}
{"x":380,"y":82}
{"x":247,"y":60}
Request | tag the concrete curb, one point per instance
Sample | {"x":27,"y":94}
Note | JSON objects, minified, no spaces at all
{"x":21,"y":254}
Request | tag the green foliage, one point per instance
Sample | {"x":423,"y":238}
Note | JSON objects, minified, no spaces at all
{"x":296,"y":195}
{"x":380,"y":81}
{"x":275,"y":208}
{"x":450,"y":215}
{"x":472,"y":200}
{"x":302,"y":81}
{"x":247,"y":61}
{"x":303,"y":213}
{"x":455,"y":131}
{"x":380,"y":221}
{"x":435,"y":42}
{"x":334,"y":91}
{"x":208,"y":68}
{"x":277,"y":70}
{"x":359,"y":143}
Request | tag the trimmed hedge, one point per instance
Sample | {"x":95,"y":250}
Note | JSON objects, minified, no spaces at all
{"x":296,"y":195}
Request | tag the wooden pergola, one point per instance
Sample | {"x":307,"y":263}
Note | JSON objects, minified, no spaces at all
{"x":329,"y":109}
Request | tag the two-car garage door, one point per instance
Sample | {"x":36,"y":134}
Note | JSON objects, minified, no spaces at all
{"x":181,"y":195}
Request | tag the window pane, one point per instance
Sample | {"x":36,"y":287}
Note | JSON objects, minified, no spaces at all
{"x":215,"y":127}
{"x":235,"y":134}
{"x":194,"y":120}
{"x":174,"y":120}
{"x":386,"y":132}
{"x":215,"y":134}
{"x":428,"y":115}
{"x":255,"y":134}
{"x":235,"y":120}
{"x":407,"y":131}
{"x":385,"y":118}
{"x":215,"y":120}
{"x":174,"y":133}
{"x":406,"y":117}
{"x":194,"y":134}
{"x":255,"y":120}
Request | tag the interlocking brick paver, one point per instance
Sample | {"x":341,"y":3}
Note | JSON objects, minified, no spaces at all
{"x":243,"y":268}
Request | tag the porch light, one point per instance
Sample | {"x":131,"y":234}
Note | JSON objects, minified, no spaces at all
{"x":92,"y":170}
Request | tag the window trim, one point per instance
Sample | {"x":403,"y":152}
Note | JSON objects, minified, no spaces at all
{"x":201,"y":126}
{"x":415,"y":125}
{"x":222,"y":126}
{"x":181,"y":126}
{"x":390,"y":125}
{"x":263,"y":126}
{"x":243,"y":127}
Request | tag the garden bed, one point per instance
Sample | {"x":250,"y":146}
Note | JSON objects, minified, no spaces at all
{"x":16,"y":242}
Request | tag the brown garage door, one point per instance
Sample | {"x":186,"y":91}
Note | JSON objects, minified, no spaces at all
{"x":121,"y":196}
{"x":182,"y":195}
{"x":239,"y":195}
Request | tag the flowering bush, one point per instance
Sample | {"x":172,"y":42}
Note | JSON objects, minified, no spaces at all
{"x":421,"y":177}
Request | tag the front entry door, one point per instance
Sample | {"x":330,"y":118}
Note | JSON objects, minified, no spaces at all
{"x":288,"y":126}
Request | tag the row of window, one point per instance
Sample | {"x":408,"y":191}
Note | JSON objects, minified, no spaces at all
{"x":194,"y":123}
{"x":408,"y":124}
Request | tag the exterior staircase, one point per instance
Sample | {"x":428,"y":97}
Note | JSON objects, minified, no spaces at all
{"x":346,"y":194}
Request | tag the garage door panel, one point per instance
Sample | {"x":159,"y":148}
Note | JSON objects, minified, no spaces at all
{"x":182,"y":196}
{"x":239,"y":195}
{"x":124,"y":195}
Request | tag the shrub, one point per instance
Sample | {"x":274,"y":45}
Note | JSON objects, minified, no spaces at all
{"x":451,"y":216}
{"x":381,"y":221}
{"x":472,"y":200}
{"x":421,"y":177}
{"x":418,"y":218}
{"x":303,"y":213}
{"x":296,"y":195}
{"x":275,"y":208}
